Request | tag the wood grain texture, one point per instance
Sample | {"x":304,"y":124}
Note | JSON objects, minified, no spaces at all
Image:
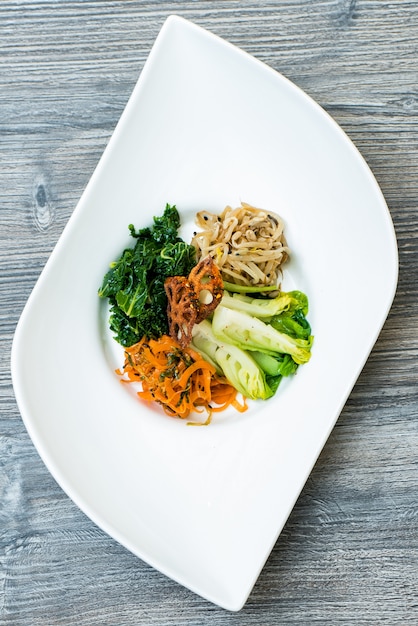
{"x":349,"y":551}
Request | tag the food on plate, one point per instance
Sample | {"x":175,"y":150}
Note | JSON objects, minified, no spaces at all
{"x":251,"y":333}
{"x":247,"y":244}
{"x":204,"y":321}
{"x":256,"y":351}
{"x":179,"y":379}
{"x":191,"y":299}
{"x":134,"y":283}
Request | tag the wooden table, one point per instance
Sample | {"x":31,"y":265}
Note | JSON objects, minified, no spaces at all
{"x":349,"y":551}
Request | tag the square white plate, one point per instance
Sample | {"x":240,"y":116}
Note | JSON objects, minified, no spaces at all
{"x":206,"y":125}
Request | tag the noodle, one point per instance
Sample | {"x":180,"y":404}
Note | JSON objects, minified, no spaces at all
{"x":247,"y":244}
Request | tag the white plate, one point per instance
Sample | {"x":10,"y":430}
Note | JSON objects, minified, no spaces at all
{"x":207,"y":125}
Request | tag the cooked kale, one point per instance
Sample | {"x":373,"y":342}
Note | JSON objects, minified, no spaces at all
{"x":134,"y":283}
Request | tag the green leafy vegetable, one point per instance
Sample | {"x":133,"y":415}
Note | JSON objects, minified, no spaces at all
{"x":294,"y":324}
{"x":259,"y":307}
{"x":278,"y":365}
{"x":250,"y":333}
{"x":237,"y":365}
{"x":255,"y":342}
{"x":134,"y":283}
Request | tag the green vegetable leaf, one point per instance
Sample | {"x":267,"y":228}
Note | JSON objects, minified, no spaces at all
{"x":293,"y":324}
{"x":134,"y":284}
{"x":258,"y":307}
{"x":281,"y":364}
{"x":250,"y":333}
{"x":237,"y":365}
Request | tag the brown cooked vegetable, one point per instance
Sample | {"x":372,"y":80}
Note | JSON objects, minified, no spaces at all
{"x":192,"y":299}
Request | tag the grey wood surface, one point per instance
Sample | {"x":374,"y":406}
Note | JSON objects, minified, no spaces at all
{"x":349,"y":551}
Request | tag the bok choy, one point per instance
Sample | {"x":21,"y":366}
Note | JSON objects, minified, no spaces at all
{"x":254,"y":342}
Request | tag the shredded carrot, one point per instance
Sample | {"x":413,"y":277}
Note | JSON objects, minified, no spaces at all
{"x":179,"y":379}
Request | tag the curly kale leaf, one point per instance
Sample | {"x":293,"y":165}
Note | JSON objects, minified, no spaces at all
{"x":134,"y":283}
{"x":165,"y":228}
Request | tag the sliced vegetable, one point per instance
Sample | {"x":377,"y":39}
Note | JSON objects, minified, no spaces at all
{"x":250,"y":333}
{"x":237,"y":365}
{"x":285,"y":302}
{"x":179,"y":379}
{"x":192,"y":299}
{"x":258,"y":307}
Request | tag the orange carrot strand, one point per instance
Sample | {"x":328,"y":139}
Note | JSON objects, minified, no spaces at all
{"x":178,"y":379}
